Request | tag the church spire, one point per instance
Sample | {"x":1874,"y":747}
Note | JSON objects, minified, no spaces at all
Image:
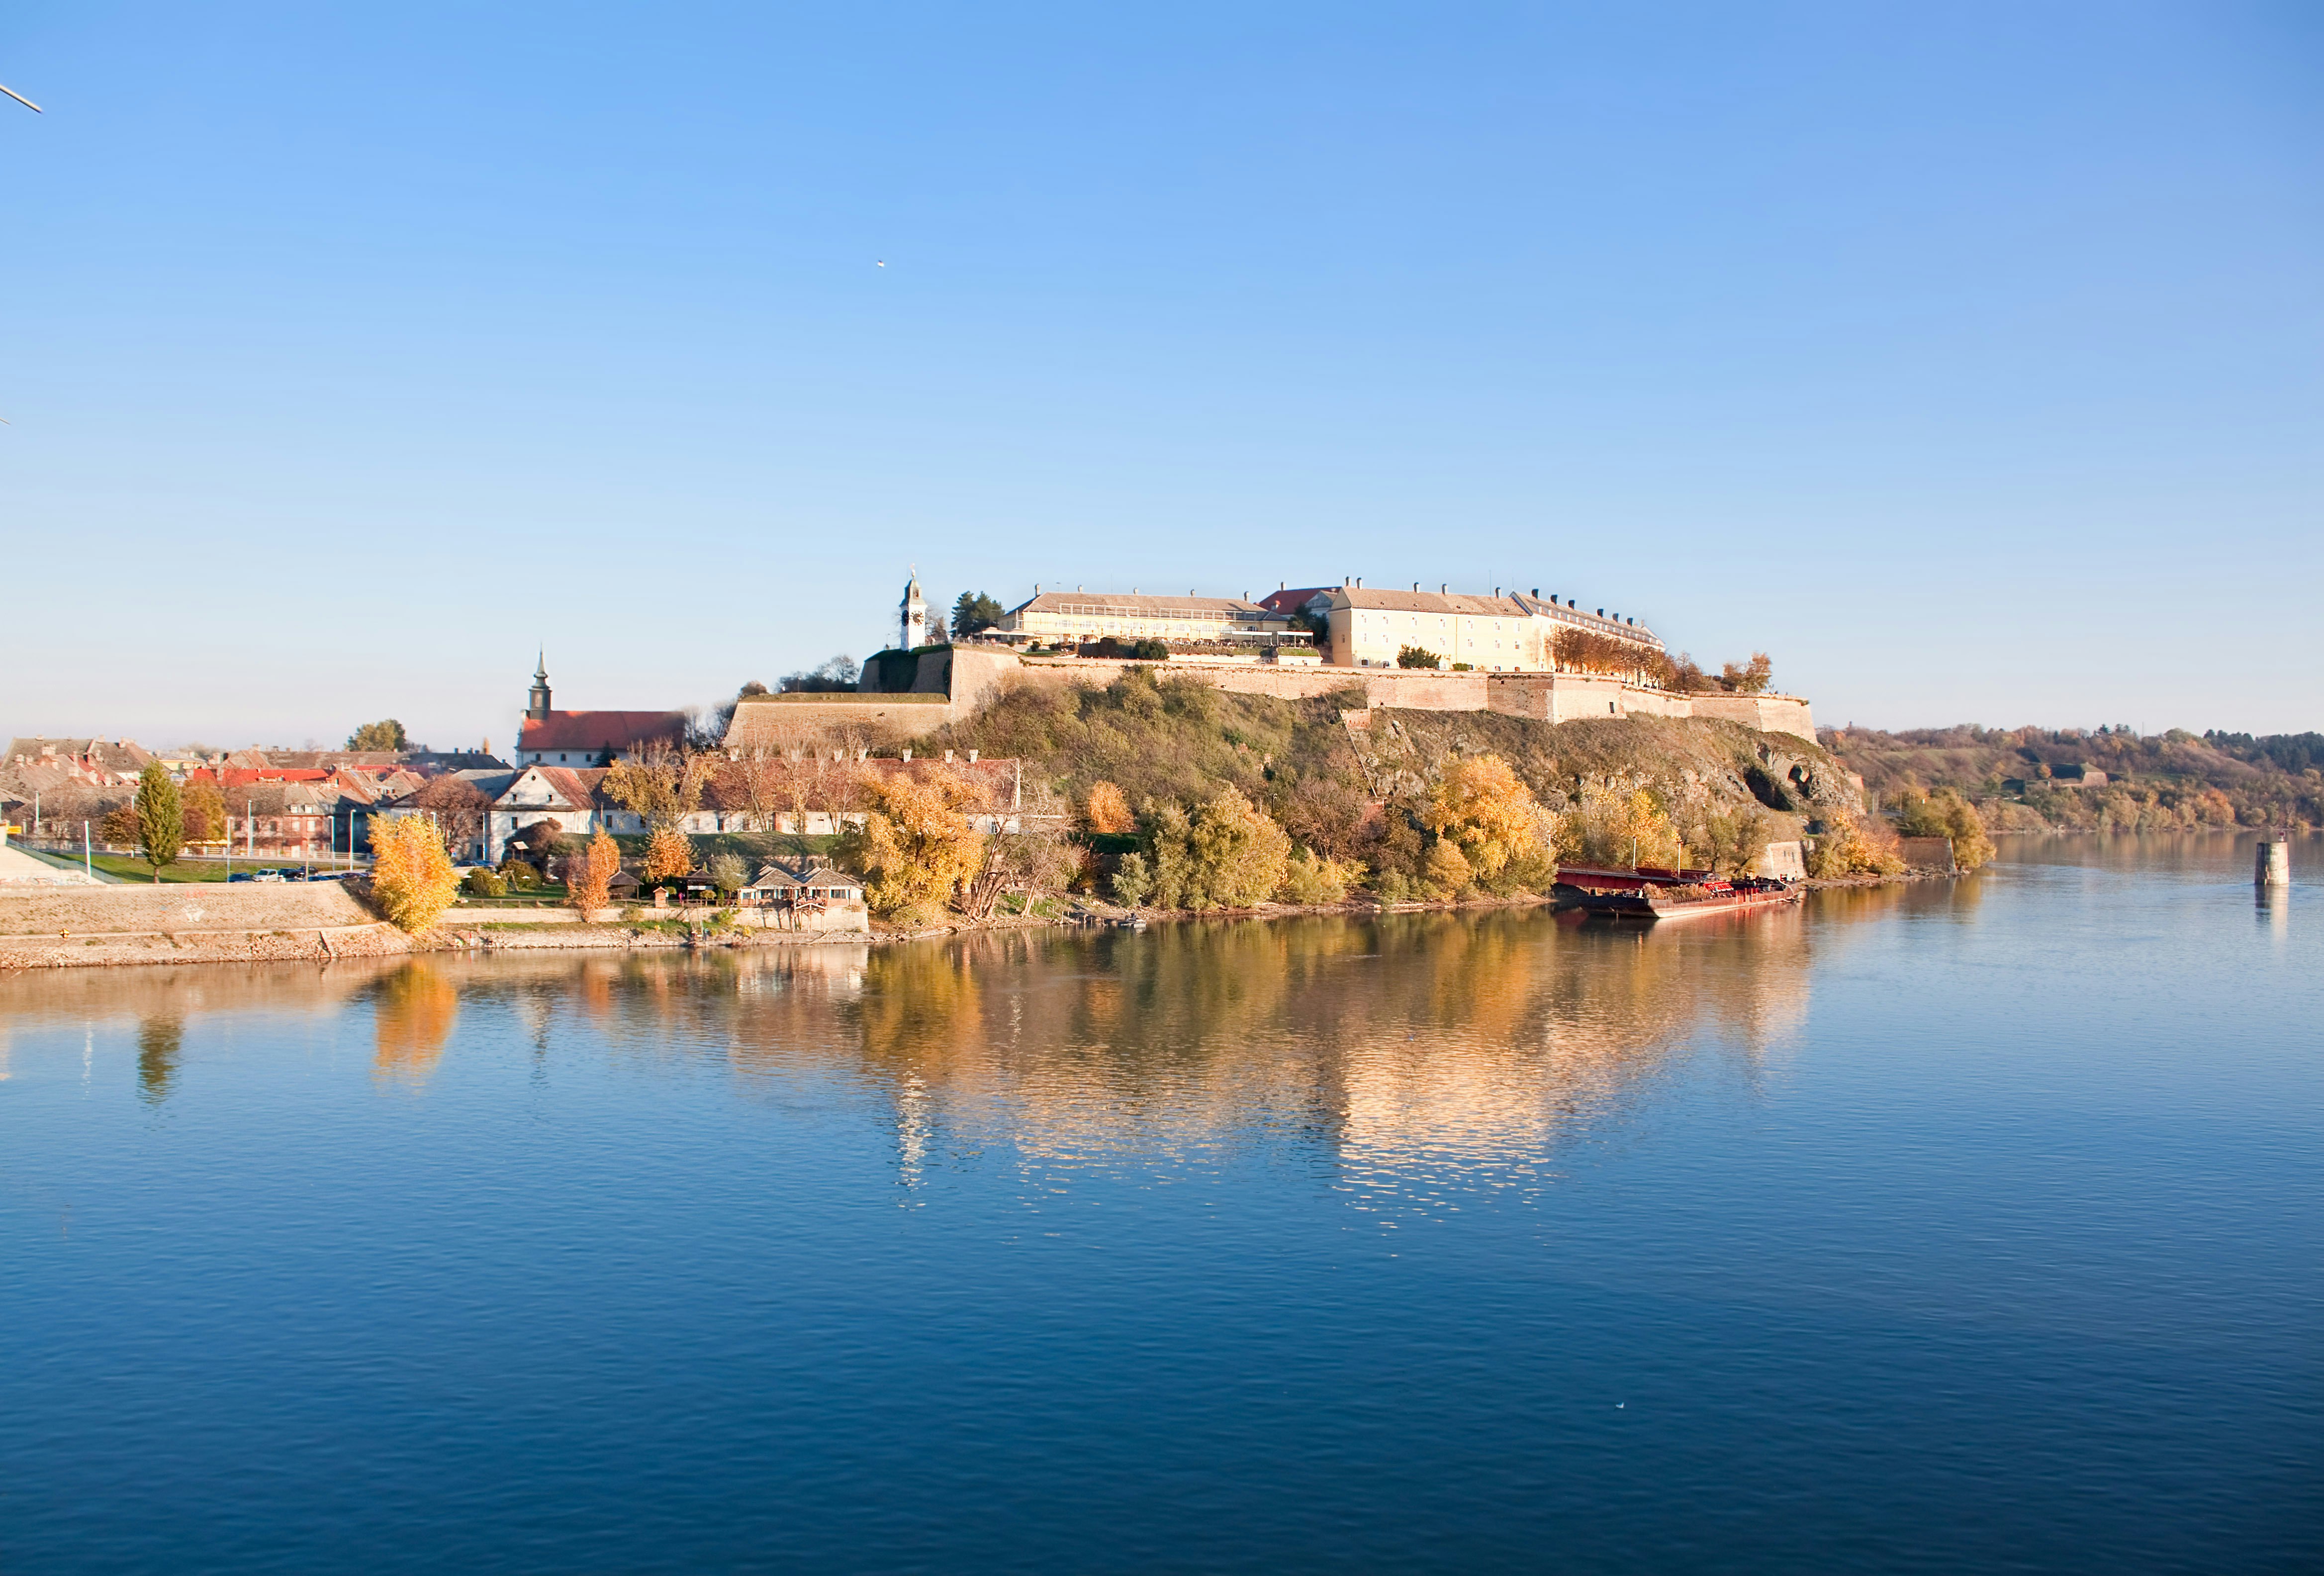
{"x":537,"y":704}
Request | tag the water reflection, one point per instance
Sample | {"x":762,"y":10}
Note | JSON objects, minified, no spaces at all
{"x":1380,"y":1049}
{"x":158,"y":1041}
{"x":413,"y":1014}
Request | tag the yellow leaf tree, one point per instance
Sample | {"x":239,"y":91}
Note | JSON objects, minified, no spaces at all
{"x":1485,"y":810}
{"x":667,"y":854}
{"x":1617,"y":826}
{"x":412,"y":877}
{"x":916,"y":848}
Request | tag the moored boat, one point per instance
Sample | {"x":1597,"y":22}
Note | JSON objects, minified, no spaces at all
{"x":1650,"y":893}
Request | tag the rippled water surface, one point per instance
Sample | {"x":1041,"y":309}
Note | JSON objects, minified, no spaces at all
{"x":1942,"y":1228}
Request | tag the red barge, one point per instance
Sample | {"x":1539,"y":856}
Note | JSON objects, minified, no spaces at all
{"x":1652,"y":893}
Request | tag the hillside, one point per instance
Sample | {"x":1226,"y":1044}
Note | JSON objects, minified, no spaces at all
{"x":2031,"y":778}
{"x":1351,"y":794}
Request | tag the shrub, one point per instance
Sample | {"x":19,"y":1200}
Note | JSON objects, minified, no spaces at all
{"x":1413,"y":656}
{"x":1132,"y":881}
{"x":729,"y":871}
{"x":411,"y":876}
{"x":1310,"y":877}
{"x":1227,"y":854}
{"x":1448,"y":873}
{"x":1848,"y":847}
{"x":1946,"y":815}
{"x":518,"y":876}
{"x":482,"y":883}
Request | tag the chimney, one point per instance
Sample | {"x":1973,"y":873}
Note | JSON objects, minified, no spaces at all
{"x":972,"y":758}
{"x":1283,"y":585}
{"x":907,"y":752}
{"x":1036,"y":588}
{"x":1601,"y":612}
{"x":1497,"y":592}
{"x":1536,"y":593}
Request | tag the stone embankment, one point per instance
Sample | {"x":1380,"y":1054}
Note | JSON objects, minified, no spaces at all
{"x":205,"y":921}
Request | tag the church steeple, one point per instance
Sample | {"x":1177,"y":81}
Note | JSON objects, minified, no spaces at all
{"x":537,"y":707}
{"x":913,"y":616}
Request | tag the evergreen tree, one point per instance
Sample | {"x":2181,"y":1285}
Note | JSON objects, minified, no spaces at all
{"x":160,"y":817}
{"x":974,"y":612}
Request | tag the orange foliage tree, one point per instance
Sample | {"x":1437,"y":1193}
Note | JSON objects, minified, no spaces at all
{"x":411,"y":876}
{"x":589,"y":875}
{"x":1107,"y":810}
{"x":668,"y":854}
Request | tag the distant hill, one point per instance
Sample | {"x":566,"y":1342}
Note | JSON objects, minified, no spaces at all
{"x":2027,"y":778}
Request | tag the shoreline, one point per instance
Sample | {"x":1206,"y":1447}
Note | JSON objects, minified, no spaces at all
{"x":362,"y":935}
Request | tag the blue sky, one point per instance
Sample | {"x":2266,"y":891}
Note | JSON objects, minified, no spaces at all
{"x":1969,"y":359}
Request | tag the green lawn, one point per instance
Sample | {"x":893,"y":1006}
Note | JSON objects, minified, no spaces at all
{"x":129,"y":867}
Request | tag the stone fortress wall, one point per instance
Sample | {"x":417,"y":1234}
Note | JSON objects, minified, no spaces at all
{"x":952,"y":681}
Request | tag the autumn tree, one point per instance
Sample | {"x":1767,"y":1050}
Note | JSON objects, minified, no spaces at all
{"x":1485,"y":810}
{"x":160,"y":817}
{"x":661,"y":784}
{"x":387,"y":734}
{"x":1849,"y":847}
{"x":1026,"y":855}
{"x":917,"y":847}
{"x":458,"y":807}
{"x":1615,"y":825}
{"x":668,"y":854}
{"x":1105,"y":810}
{"x":412,"y":875}
{"x":1312,"y":877}
{"x":1749,"y":677}
{"x":589,"y":875}
{"x":205,"y":811}
{"x":118,"y":826}
{"x":1226,"y":853}
{"x":1946,"y":815}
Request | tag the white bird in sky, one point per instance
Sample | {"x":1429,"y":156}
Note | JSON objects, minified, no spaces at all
{"x":883,"y":262}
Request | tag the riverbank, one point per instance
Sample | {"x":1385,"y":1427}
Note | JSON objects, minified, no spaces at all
{"x":118,"y":926}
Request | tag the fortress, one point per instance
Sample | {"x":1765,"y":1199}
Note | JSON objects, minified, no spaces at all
{"x":1513,"y":661}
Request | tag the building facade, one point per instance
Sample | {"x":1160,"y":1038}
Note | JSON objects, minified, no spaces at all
{"x":1072,"y":618}
{"x":1508,"y":632}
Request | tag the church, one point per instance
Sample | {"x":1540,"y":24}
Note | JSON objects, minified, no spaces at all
{"x":549,"y":738}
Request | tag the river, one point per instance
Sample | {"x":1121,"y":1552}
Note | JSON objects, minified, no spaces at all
{"x":1969,"y":1225}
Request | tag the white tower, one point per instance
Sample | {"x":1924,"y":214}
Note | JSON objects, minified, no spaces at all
{"x":914,"y":616}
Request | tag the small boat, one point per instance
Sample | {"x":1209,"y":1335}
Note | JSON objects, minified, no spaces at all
{"x":1650,"y":893}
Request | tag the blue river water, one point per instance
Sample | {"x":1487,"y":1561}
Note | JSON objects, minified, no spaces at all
{"x":1951,"y":1226}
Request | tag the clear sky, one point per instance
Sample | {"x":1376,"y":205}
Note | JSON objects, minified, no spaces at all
{"x":1969,"y":359}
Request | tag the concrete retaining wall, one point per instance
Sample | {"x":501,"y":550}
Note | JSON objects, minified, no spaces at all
{"x":187,"y":906}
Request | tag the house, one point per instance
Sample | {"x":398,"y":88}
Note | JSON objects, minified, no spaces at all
{"x":805,"y":897}
{"x":549,"y":738}
{"x":97,"y":762}
{"x":574,"y":798}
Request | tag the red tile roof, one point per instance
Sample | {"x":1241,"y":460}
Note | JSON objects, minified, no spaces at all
{"x":599,"y":730}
